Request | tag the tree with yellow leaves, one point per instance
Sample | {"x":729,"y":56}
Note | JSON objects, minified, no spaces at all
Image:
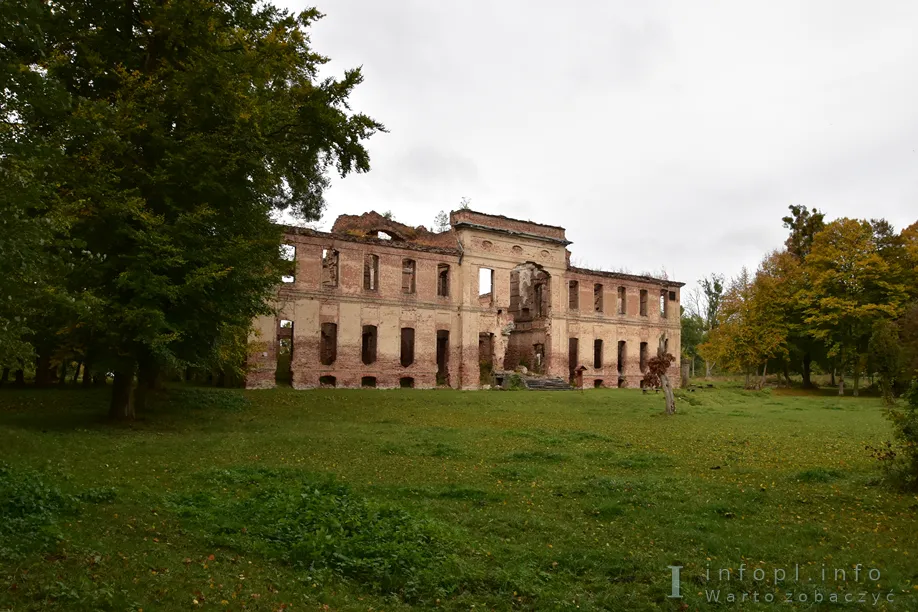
{"x":850,"y":284}
{"x":752,"y":327}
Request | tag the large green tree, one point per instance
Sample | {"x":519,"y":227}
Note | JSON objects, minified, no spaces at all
{"x":849,"y":286}
{"x":803,"y":224}
{"x":186,"y":125}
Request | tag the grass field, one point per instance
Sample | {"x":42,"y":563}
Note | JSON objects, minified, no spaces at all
{"x":393,"y":500}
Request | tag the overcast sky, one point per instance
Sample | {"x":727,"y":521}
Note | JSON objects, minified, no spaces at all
{"x":660,"y":134}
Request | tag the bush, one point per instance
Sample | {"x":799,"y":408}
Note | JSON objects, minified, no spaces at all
{"x":514,"y":383}
{"x":900,"y":458}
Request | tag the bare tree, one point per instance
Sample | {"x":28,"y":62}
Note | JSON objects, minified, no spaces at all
{"x":704,"y":301}
{"x":441,"y":222}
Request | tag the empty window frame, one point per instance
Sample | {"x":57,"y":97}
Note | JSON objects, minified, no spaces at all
{"x":409,"y":269}
{"x":644,"y":356}
{"x":643,"y":302}
{"x":329,"y":268}
{"x":485,"y":286}
{"x":368,"y":344}
{"x":573,"y":296}
{"x":328,"y":381}
{"x":407,"y":346}
{"x":664,"y":308}
{"x":328,"y":344}
{"x":573,"y":346}
{"x":288,"y":255}
{"x":622,"y":356}
{"x":597,"y":297}
{"x":597,"y":353}
{"x":442,"y":357}
{"x":368,"y":381}
{"x":406,"y":382}
{"x":371,"y":272}
{"x":443,"y":280}
{"x":622,"y":301}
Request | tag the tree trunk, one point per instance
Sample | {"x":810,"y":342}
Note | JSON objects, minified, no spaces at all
{"x":76,"y":374}
{"x":746,"y":385}
{"x":6,"y":376}
{"x":787,"y":374}
{"x":857,"y":379}
{"x":147,"y":375}
{"x":19,"y":378}
{"x":122,"y":405}
{"x":42,"y":369}
{"x":807,"y":370}
{"x":841,"y":383}
{"x":63,"y":379}
{"x":87,"y":374}
{"x":708,"y":366}
{"x":668,"y":391}
{"x":832,"y":380}
{"x":221,"y":379}
{"x":764,"y":374}
{"x":685,"y":375}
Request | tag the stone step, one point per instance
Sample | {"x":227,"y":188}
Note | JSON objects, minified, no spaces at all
{"x":546,"y":384}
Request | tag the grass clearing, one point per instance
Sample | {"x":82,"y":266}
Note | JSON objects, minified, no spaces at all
{"x":411,"y":499}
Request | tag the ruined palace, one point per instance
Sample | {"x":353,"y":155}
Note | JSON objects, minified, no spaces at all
{"x":375,"y":303}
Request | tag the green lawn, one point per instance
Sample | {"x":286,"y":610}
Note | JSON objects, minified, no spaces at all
{"x":392,"y":500}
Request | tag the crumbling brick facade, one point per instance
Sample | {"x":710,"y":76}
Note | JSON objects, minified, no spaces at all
{"x":375,"y":303}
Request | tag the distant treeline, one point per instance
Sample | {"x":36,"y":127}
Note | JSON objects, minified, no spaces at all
{"x":840,"y":297}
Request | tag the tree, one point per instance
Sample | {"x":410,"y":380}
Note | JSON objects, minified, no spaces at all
{"x":187,"y":124}
{"x":32,"y":216}
{"x":885,"y":353}
{"x":849,"y":286}
{"x":657,"y":374}
{"x":441,"y":222}
{"x":908,"y":334}
{"x":803,"y":225}
{"x":693,"y":332}
{"x":465,"y":203}
{"x":704,"y":302}
{"x":751,"y":329}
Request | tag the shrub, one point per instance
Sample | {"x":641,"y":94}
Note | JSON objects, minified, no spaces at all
{"x":900,"y":458}
{"x":515,"y":383}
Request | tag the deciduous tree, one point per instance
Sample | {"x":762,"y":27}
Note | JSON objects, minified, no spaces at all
{"x":187,"y":124}
{"x":849,"y":287}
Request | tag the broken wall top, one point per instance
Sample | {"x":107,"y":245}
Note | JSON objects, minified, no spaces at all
{"x":368,"y":224}
{"x":499,"y":223}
